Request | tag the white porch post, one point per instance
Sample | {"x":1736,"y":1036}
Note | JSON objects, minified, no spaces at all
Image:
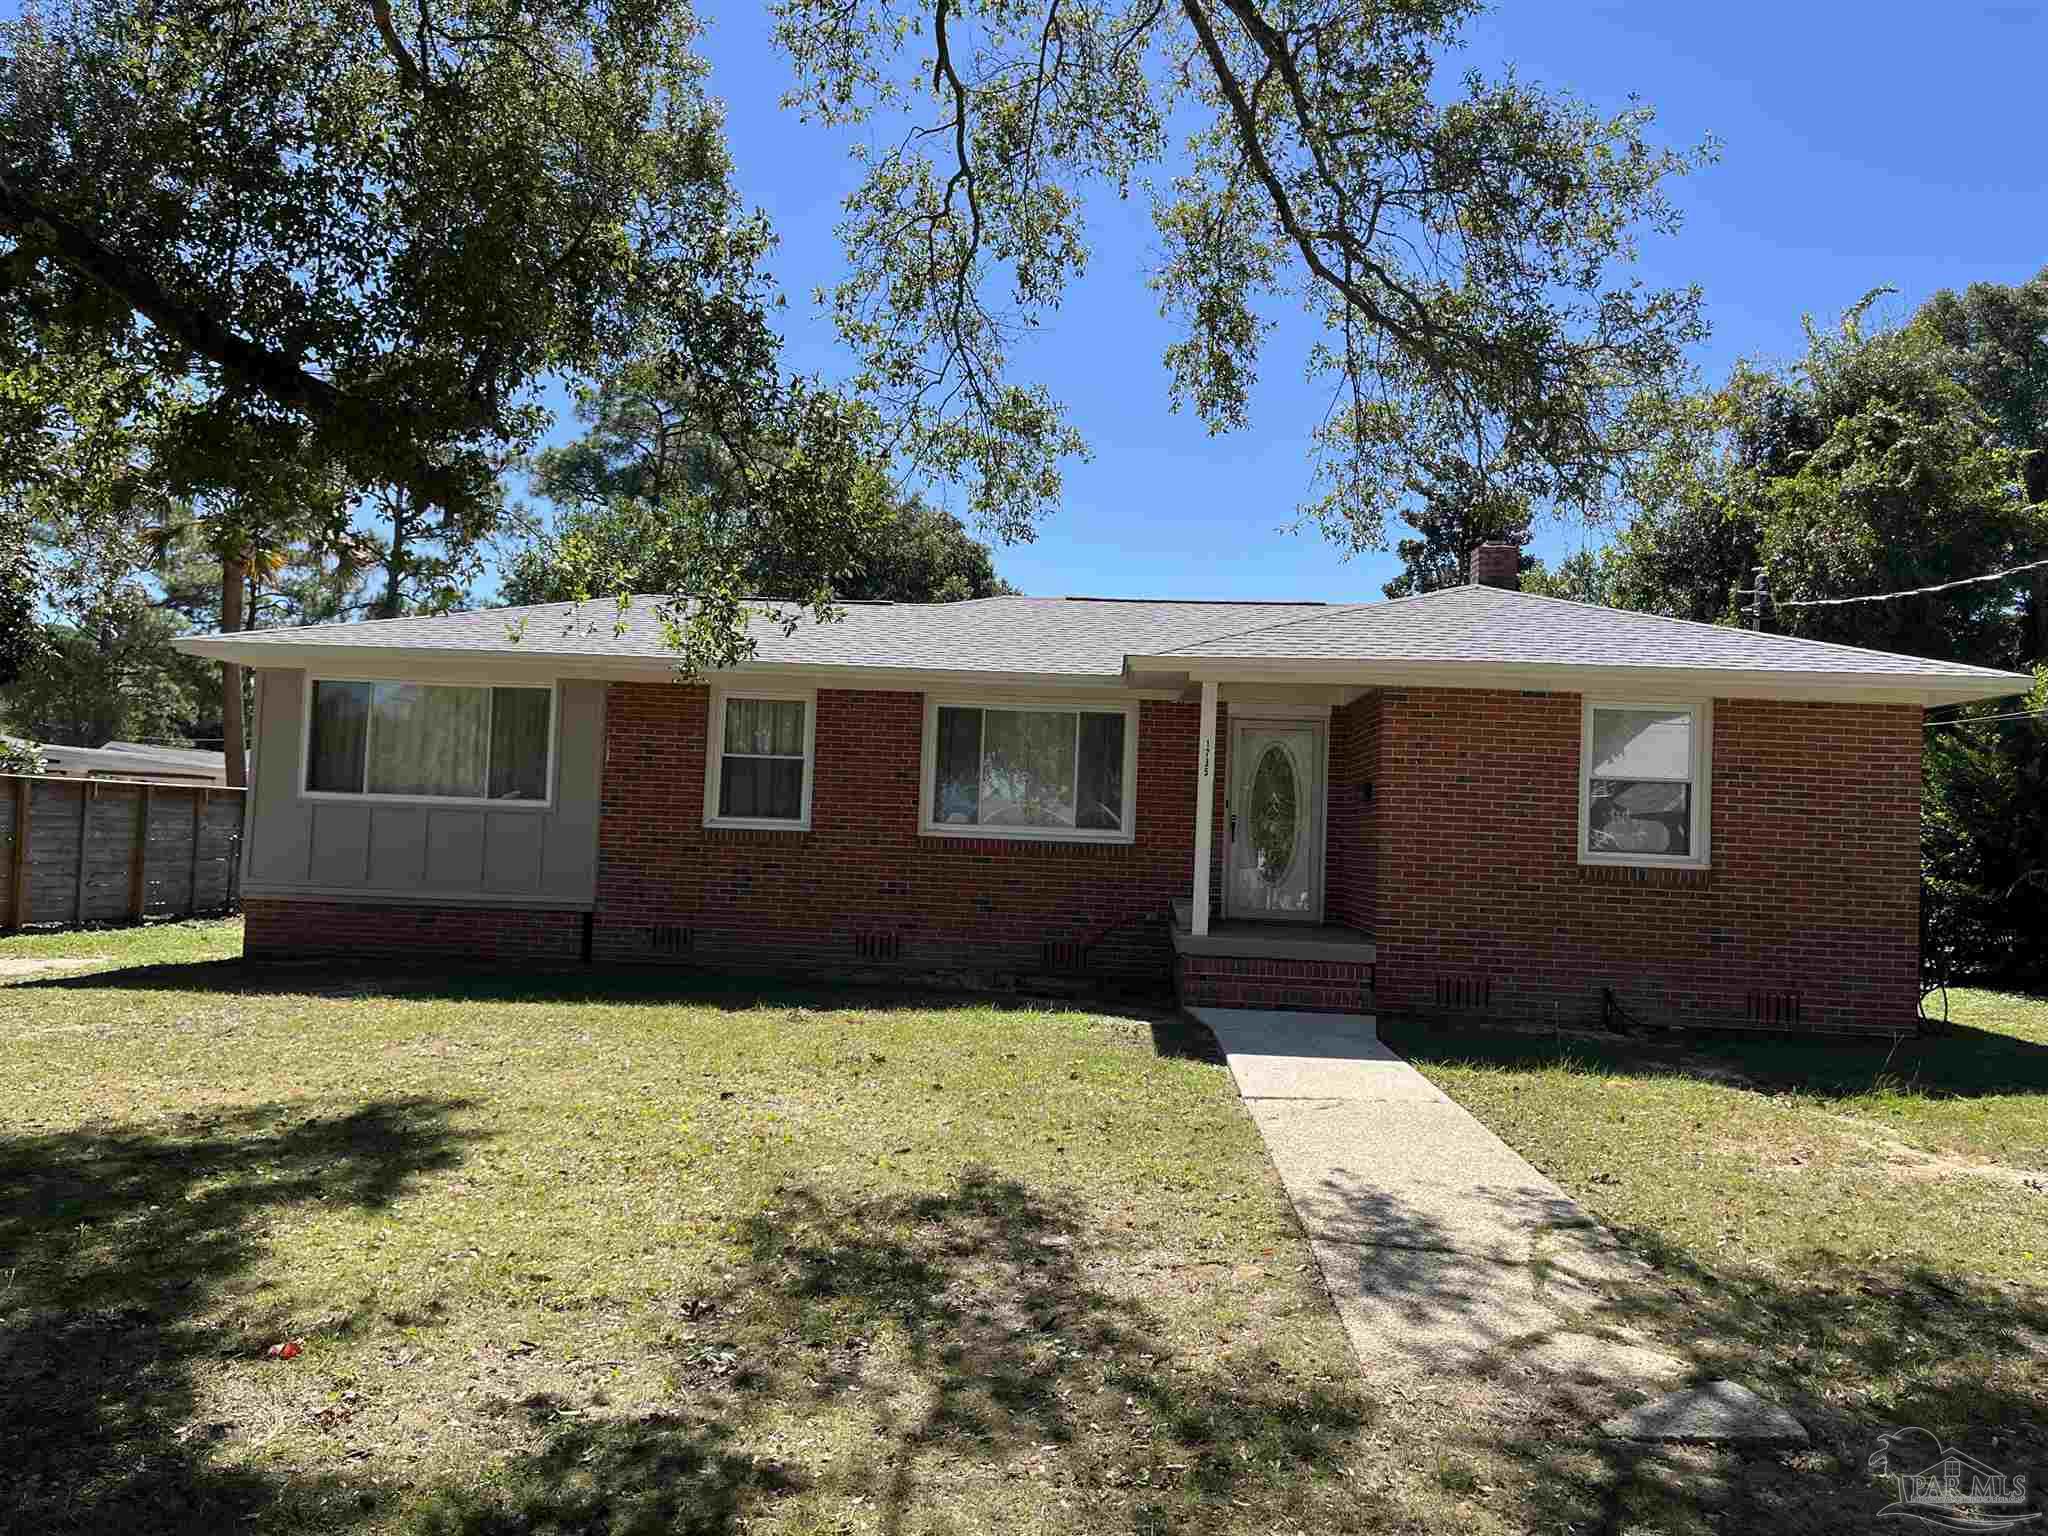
{"x":1205,"y":805}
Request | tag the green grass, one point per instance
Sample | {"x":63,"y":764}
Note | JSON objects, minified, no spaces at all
{"x":156,"y":943}
{"x":601,"y":1254}
{"x":627,"y":1260}
{"x":1858,"y":1230}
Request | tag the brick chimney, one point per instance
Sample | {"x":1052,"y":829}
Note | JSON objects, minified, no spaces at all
{"x":1497,"y":565}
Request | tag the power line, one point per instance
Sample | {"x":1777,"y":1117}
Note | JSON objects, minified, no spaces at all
{"x":1882,"y":597}
{"x":2018,"y":714}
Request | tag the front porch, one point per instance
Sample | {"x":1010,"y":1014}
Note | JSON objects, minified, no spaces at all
{"x":1315,"y":967}
{"x":1279,"y":913}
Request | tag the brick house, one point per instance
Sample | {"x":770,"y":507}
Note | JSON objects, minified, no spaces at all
{"x":1476,"y":801}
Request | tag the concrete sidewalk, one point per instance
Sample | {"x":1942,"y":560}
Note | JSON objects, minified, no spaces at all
{"x":1450,"y":1259}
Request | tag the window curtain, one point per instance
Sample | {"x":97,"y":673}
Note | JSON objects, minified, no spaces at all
{"x":1102,"y":773}
{"x":956,"y":773}
{"x":762,"y":773}
{"x":334,"y":756}
{"x":519,"y":744}
{"x":1027,"y":768}
{"x":765,"y":727}
{"x":427,"y":740}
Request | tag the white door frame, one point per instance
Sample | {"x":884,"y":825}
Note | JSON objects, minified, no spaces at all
{"x":1280,"y":717}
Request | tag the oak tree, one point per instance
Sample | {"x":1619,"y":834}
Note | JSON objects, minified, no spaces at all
{"x":1461,"y":243}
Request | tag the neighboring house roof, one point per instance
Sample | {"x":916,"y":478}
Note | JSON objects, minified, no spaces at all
{"x":136,"y":760}
{"x":1469,"y":636}
{"x":197,"y":757}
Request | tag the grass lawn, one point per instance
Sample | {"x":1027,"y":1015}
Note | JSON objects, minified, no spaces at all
{"x":586,"y":1255}
{"x":565,"y":1260}
{"x":1860,"y":1231}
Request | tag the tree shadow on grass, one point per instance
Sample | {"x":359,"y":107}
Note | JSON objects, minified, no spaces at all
{"x":970,"y":1336}
{"x":1852,"y":1350}
{"x":1172,"y":1033}
{"x":1510,"y":1325}
{"x":1962,"y":1062}
{"x":118,"y":1251}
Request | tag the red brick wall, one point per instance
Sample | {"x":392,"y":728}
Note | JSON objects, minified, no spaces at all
{"x":1312,"y":986}
{"x":979,"y":911}
{"x":1463,"y":867}
{"x":275,"y":929}
{"x":1353,"y":857}
{"x":1814,"y":888}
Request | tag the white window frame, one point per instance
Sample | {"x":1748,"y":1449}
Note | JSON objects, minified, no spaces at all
{"x":1041,"y":704}
{"x":365,"y":796}
{"x":1702,"y":712}
{"x":714,"y":757}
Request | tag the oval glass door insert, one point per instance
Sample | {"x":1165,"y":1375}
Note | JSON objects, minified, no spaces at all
{"x":1275,"y":815}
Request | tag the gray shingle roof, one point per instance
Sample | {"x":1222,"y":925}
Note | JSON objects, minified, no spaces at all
{"x":1069,"y":637}
{"x":1489,"y":624}
{"x":1073,"y":638}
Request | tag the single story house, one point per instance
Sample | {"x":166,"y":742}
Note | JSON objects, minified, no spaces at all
{"x":1475,"y":801}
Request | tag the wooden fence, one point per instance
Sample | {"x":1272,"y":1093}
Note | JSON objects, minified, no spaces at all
{"x":113,"y":851}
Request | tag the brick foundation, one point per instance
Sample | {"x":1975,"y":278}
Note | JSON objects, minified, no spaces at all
{"x":289,"y":930}
{"x":1311,"y":986}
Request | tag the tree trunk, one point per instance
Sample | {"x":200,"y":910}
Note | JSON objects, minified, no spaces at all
{"x":2036,"y":481}
{"x":394,"y":564}
{"x":233,"y":572}
{"x":2038,"y":598}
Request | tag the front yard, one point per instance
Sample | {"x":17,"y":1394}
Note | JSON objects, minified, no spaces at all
{"x":579,"y":1254}
{"x":566,"y":1260}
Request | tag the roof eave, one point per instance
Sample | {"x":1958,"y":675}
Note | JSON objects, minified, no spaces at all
{"x":1143,"y":675}
{"x":435,"y":664}
{"x":1717,"y":682}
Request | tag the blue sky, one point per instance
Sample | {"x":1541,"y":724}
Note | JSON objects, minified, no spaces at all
{"x":1862,"y":145}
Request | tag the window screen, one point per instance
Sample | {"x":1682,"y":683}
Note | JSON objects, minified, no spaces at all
{"x":761,"y":768}
{"x":1639,"y":793}
{"x":428,"y":740}
{"x":1036,"y":768}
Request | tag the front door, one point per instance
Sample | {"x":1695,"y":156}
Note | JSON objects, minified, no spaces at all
{"x":1275,"y":867}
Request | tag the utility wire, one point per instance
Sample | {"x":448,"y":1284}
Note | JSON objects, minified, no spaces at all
{"x":1881,"y":597}
{"x":2019,"y":714}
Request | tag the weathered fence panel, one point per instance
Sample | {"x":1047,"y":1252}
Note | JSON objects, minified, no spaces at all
{"x":109,"y":851}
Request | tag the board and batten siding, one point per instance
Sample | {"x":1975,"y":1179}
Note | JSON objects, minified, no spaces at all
{"x":455,"y":854}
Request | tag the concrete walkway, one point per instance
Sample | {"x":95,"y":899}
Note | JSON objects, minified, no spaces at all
{"x":1453,"y":1263}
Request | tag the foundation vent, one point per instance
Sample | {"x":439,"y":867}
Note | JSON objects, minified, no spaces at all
{"x":878,"y":946}
{"x":1065,"y":955}
{"x":669,"y":939}
{"x":1774,"y":1010}
{"x":1464,"y":992}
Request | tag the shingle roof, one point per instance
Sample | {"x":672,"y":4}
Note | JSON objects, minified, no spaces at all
{"x":1071,"y":637}
{"x":1490,"y":624}
{"x":1462,"y":628}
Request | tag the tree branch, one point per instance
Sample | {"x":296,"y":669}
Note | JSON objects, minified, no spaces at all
{"x":1254,"y":150}
{"x":943,"y":74}
{"x":408,"y":67}
{"x":268,"y":372}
